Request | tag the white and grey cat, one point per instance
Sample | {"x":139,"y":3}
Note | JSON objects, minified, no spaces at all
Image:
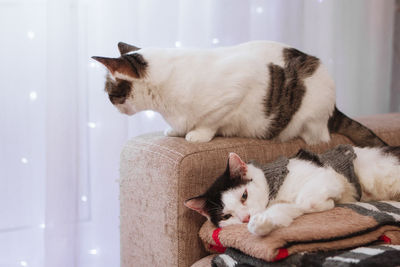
{"x":272,"y":195}
{"x":257,"y":89}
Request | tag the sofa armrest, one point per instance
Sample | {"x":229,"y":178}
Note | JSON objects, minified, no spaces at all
{"x":158,"y":173}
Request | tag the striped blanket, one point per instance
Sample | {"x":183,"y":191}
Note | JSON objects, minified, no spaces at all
{"x":374,"y":255}
{"x":346,"y":226}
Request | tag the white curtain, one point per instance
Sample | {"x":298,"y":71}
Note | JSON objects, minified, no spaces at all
{"x":60,"y":137}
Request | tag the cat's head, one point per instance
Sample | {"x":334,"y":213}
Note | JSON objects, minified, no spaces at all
{"x":239,"y":193}
{"x":124,"y":77}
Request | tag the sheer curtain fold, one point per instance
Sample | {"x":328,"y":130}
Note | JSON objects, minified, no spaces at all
{"x":61,"y":137}
{"x":395,"y":92}
{"x":60,"y":239}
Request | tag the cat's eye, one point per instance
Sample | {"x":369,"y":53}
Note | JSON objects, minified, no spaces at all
{"x":244,"y":197}
{"x":226,"y":216}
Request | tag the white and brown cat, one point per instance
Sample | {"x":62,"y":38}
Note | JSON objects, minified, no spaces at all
{"x":257,"y":89}
{"x":272,"y":195}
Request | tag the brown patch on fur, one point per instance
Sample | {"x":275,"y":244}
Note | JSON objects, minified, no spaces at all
{"x":132,"y":65}
{"x":118,"y":90}
{"x":137,"y":64}
{"x":126,"y":48}
{"x":300,"y":62}
{"x":393,"y":151}
{"x":286,"y":89}
{"x":355,"y":131}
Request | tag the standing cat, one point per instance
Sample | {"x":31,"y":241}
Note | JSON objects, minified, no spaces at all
{"x":258,"y":89}
{"x":272,"y":195}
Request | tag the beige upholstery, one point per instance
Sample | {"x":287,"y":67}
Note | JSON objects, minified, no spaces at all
{"x":158,"y":173}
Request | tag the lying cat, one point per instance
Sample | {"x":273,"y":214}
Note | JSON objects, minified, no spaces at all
{"x":258,"y":89}
{"x":272,"y":195}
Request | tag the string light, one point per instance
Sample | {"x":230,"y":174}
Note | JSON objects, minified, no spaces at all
{"x":30,"y":34}
{"x":84,"y":198}
{"x":24,"y":160}
{"x":178,"y":44}
{"x":150,"y":114}
{"x":259,"y":10}
{"x":91,"y":125}
{"x":215,"y":41}
{"x":33,"y":95}
{"x":23,"y":263}
{"x":42,"y":225}
{"x":93,"y":251}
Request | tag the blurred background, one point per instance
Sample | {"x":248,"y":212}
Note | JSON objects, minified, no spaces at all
{"x":60,"y":137}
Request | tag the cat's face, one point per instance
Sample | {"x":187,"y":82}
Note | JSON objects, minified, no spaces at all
{"x":235,"y":196}
{"x":124,"y":77}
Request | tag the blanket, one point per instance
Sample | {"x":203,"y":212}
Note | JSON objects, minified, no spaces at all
{"x":374,"y":255}
{"x":345,"y":226}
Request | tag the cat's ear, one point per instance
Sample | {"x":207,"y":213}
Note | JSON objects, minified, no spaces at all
{"x":197,"y":204}
{"x":120,"y":65}
{"x":237,"y":167}
{"x":126,"y":48}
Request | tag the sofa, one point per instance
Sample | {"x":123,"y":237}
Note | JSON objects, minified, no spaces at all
{"x":158,"y":173}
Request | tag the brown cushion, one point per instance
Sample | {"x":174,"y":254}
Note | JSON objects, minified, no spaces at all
{"x":158,"y":173}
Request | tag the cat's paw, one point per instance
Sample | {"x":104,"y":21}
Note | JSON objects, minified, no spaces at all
{"x":172,"y":133}
{"x":199,"y":136}
{"x":260,"y":225}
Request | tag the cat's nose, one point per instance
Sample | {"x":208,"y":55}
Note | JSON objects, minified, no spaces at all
{"x":246,"y":219}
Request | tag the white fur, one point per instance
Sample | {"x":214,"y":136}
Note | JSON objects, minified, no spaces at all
{"x":201,"y":93}
{"x":379,"y":174}
{"x":122,"y":76}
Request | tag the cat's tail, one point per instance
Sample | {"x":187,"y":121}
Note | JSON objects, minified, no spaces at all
{"x":359,"y":134}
